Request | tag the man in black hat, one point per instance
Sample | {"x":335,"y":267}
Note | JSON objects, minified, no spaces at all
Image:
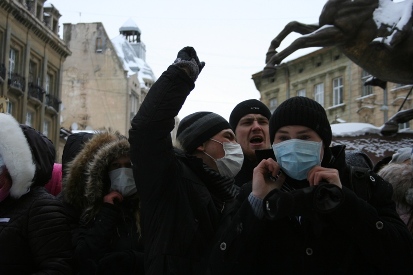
{"x":249,"y":120}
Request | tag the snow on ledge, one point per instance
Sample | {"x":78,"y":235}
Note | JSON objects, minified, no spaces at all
{"x":353,"y":129}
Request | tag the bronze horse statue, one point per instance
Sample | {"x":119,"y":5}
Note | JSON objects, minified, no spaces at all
{"x":354,"y":26}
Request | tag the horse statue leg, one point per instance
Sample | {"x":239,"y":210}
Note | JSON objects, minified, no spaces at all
{"x":327,"y":35}
{"x":293,"y":26}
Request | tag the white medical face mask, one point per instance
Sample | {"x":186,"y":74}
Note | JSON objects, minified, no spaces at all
{"x":296,"y":157}
{"x":231,"y":163}
{"x":121,"y":180}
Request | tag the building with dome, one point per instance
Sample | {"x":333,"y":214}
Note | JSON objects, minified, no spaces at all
{"x":104,"y":80}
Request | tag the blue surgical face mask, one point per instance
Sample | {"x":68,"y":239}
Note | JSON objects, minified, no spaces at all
{"x":121,"y":180}
{"x":296,"y":157}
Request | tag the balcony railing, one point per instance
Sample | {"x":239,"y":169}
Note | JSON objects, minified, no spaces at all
{"x":2,"y":71}
{"x":30,"y":5}
{"x":16,"y":81}
{"x":36,"y":91}
{"x":53,"y":102}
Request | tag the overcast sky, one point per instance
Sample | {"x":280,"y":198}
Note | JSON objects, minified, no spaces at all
{"x":231,"y":36}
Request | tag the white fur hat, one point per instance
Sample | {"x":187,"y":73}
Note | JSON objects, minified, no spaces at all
{"x":17,"y":155}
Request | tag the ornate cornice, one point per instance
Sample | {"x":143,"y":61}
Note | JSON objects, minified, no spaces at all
{"x":36,"y":27}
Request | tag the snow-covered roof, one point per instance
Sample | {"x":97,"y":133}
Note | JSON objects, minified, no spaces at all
{"x":131,"y":62}
{"x":129,"y":25}
{"x":367,"y":138}
{"x":353,"y":129}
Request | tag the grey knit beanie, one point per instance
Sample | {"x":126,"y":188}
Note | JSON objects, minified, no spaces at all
{"x":196,"y":128}
{"x":302,"y":111}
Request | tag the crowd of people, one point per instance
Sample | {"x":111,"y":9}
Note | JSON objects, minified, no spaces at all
{"x":262,"y":193}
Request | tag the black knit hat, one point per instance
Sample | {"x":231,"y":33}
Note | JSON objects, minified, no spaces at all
{"x":302,"y":111}
{"x":196,"y":128}
{"x":250,"y":106}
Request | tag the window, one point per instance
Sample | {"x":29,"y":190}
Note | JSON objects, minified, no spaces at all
{"x":33,"y":72}
{"x":12,"y":61}
{"x":273,"y":104}
{"x":404,"y":126}
{"x":29,"y":119}
{"x":319,"y":93}
{"x":366,"y":90}
{"x":301,"y":92}
{"x":49,"y":84}
{"x":134,"y":104}
{"x":337,"y":91}
{"x":46,"y":128}
{"x":99,"y":47}
{"x":10,"y":107}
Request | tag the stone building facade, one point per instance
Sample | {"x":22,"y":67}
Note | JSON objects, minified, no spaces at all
{"x":104,"y":80}
{"x":337,"y":83}
{"x":31,"y":60}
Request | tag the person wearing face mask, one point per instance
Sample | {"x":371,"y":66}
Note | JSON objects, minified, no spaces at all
{"x":314,"y":217}
{"x":186,"y":189}
{"x":108,"y":238}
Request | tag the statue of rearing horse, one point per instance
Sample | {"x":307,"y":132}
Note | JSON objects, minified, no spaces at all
{"x":374,"y":34}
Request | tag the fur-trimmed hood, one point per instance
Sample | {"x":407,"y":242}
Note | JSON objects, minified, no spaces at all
{"x":98,"y":181}
{"x":74,"y":184}
{"x":28,"y":155}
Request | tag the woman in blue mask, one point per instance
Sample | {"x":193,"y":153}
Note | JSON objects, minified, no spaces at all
{"x":314,"y":214}
{"x":108,"y":238}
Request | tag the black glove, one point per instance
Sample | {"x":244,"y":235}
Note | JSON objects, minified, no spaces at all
{"x":323,"y":198}
{"x":188,"y":59}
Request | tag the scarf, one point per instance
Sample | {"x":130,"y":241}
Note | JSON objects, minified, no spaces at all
{"x":222,"y":188}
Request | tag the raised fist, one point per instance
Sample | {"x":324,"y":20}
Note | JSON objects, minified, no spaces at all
{"x":188,"y":60}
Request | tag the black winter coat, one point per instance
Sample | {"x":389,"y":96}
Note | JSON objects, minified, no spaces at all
{"x":110,"y":244}
{"x":356,"y":237}
{"x":34,"y":235}
{"x":179,"y":217}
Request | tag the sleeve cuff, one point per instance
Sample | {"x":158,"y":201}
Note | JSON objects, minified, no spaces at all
{"x":256,"y":204}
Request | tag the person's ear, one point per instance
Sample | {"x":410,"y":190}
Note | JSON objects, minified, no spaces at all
{"x":200,"y":148}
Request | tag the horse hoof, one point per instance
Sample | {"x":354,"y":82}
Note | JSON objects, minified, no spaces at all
{"x":269,"y":55}
{"x":268,"y":72}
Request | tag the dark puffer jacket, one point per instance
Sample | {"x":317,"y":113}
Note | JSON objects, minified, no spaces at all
{"x":34,"y":233}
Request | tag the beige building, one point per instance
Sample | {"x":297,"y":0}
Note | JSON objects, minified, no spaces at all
{"x":31,"y":59}
{"x":337,"y":83}
{"x":104,"y":80}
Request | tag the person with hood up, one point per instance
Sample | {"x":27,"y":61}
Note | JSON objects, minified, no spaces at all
{"x":34,"y":233}
{"x":314,"y":217}
{"x":76,"y":155}
{"x":249,"y":121}
{"x":108,"y":238}
{"x":184,"y":192}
